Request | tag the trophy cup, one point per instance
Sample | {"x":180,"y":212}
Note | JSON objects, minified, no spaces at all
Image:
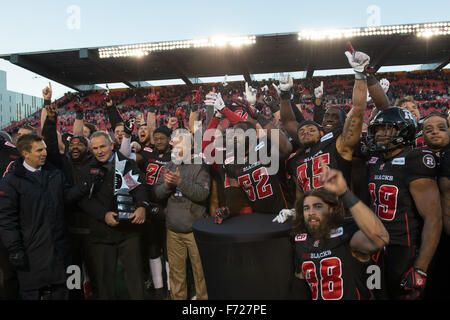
{"x":123,"y":184}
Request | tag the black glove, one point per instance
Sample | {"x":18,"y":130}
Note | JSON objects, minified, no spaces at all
{"x":95,"y":179}
{"x":129,"y":125}
{"x":194,"y":107}
{"x":18,"y":260}
{"x":221,"y":214}
{"x":413,"y":282}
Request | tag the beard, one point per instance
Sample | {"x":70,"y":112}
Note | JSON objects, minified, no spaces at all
{"x":322,"y":231}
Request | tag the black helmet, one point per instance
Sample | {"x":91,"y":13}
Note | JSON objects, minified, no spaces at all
{"x":399,"y":118}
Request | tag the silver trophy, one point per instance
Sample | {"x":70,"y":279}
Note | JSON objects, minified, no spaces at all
{"x":123,"y":184}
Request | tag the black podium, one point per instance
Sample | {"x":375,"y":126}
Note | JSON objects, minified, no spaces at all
{"x":245,"y":257}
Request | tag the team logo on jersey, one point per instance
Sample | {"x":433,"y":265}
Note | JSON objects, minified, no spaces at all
{"x":428,"y":160}
{"x":327,"y":136}
{"x":337,"y":233}
{"x":316,"y":243}
{"x":373,"y":160}
{"x":382,"y":166}
{"x":399,"y":161}
{"x":301,"y":237}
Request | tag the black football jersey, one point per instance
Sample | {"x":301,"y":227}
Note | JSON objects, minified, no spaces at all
{"x":8,"y":154}
{"x":444,"y":162}
{"x":329,"y":267}
{"x":389,"y":190}
{"x":306,"y":166}
{"x":264,"y":191}
{"x":155,"y":163}
{"x":419,"y":141}
{"x":238,"y":110}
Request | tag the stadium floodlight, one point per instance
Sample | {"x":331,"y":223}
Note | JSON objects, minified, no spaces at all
{"x":421,"y":30}
{"x":139,"y":50}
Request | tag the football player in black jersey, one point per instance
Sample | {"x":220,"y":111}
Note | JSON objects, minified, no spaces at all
{"x":334,"y":148}
{"x":331,"y":253}
{"x":152,"y":160}
{"x":9,"y":287}
{"x":405,"y":195}
{"x":262,"y":188}
{"x":214,"y":153}
{"x":437,"y":138}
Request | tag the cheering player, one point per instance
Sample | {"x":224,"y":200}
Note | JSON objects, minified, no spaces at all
{"x":331,"y":253}
{"x":405,"y":196}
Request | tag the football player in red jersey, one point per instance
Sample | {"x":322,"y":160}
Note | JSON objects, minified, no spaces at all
{"x":331,"y":253}
{"x":405,"y":196}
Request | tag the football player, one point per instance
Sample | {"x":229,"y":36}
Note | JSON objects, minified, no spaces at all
{"x":405,"y":196}
{"x":331,"y":253}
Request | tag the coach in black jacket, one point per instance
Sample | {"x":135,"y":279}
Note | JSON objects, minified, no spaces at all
{"x":32,"y":225}
{"x":113,"y":239}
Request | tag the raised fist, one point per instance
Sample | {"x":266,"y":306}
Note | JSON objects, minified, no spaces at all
{"x":318,"y":92}
{"x":215,"y":100}
{"x":286,"y":84}
{"x":250,"y":94}
{"x":358,"y":60}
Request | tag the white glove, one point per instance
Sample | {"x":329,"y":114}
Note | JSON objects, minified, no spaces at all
{"x":358,"y":60}
{"x":250,"y":94}
{"x":384,"y":83}
{"x":284,"y":215}
{"x":286,"y":83}
{"x":215,"y":100}
{"x":265,"y":88}
{"x":318,"y":92}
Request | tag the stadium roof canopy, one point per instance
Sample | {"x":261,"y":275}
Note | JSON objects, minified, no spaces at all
{"x":188,"y":59}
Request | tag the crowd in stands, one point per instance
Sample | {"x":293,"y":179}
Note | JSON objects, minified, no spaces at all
{"x":430,"y":89}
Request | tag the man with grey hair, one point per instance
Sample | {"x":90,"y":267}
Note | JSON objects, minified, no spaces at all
{"x":116,"y":206}
{"x":186,"y":186}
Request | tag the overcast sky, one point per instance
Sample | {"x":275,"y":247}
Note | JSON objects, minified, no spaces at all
{"x":27,"y":26}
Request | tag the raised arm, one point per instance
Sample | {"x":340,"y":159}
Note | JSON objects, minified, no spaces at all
{"x":351,"y":133}
{"x":78,"y":123}
{"x":287,"y":117}
{"x":151,"y":123}
{"x":372,"y":235}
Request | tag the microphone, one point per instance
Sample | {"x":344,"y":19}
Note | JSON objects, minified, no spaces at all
{"x":95,"y":175}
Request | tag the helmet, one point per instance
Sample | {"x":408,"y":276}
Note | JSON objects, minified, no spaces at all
{"x":399,"y":118}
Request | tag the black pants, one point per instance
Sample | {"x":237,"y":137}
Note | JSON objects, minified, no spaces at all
{"x":154,"y":239}
{"x":128,"y":251}
{"x":81,"y":253}
{"x":397,"y":261}
{"x":9,"y":285}
{"x":53,"y":292}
